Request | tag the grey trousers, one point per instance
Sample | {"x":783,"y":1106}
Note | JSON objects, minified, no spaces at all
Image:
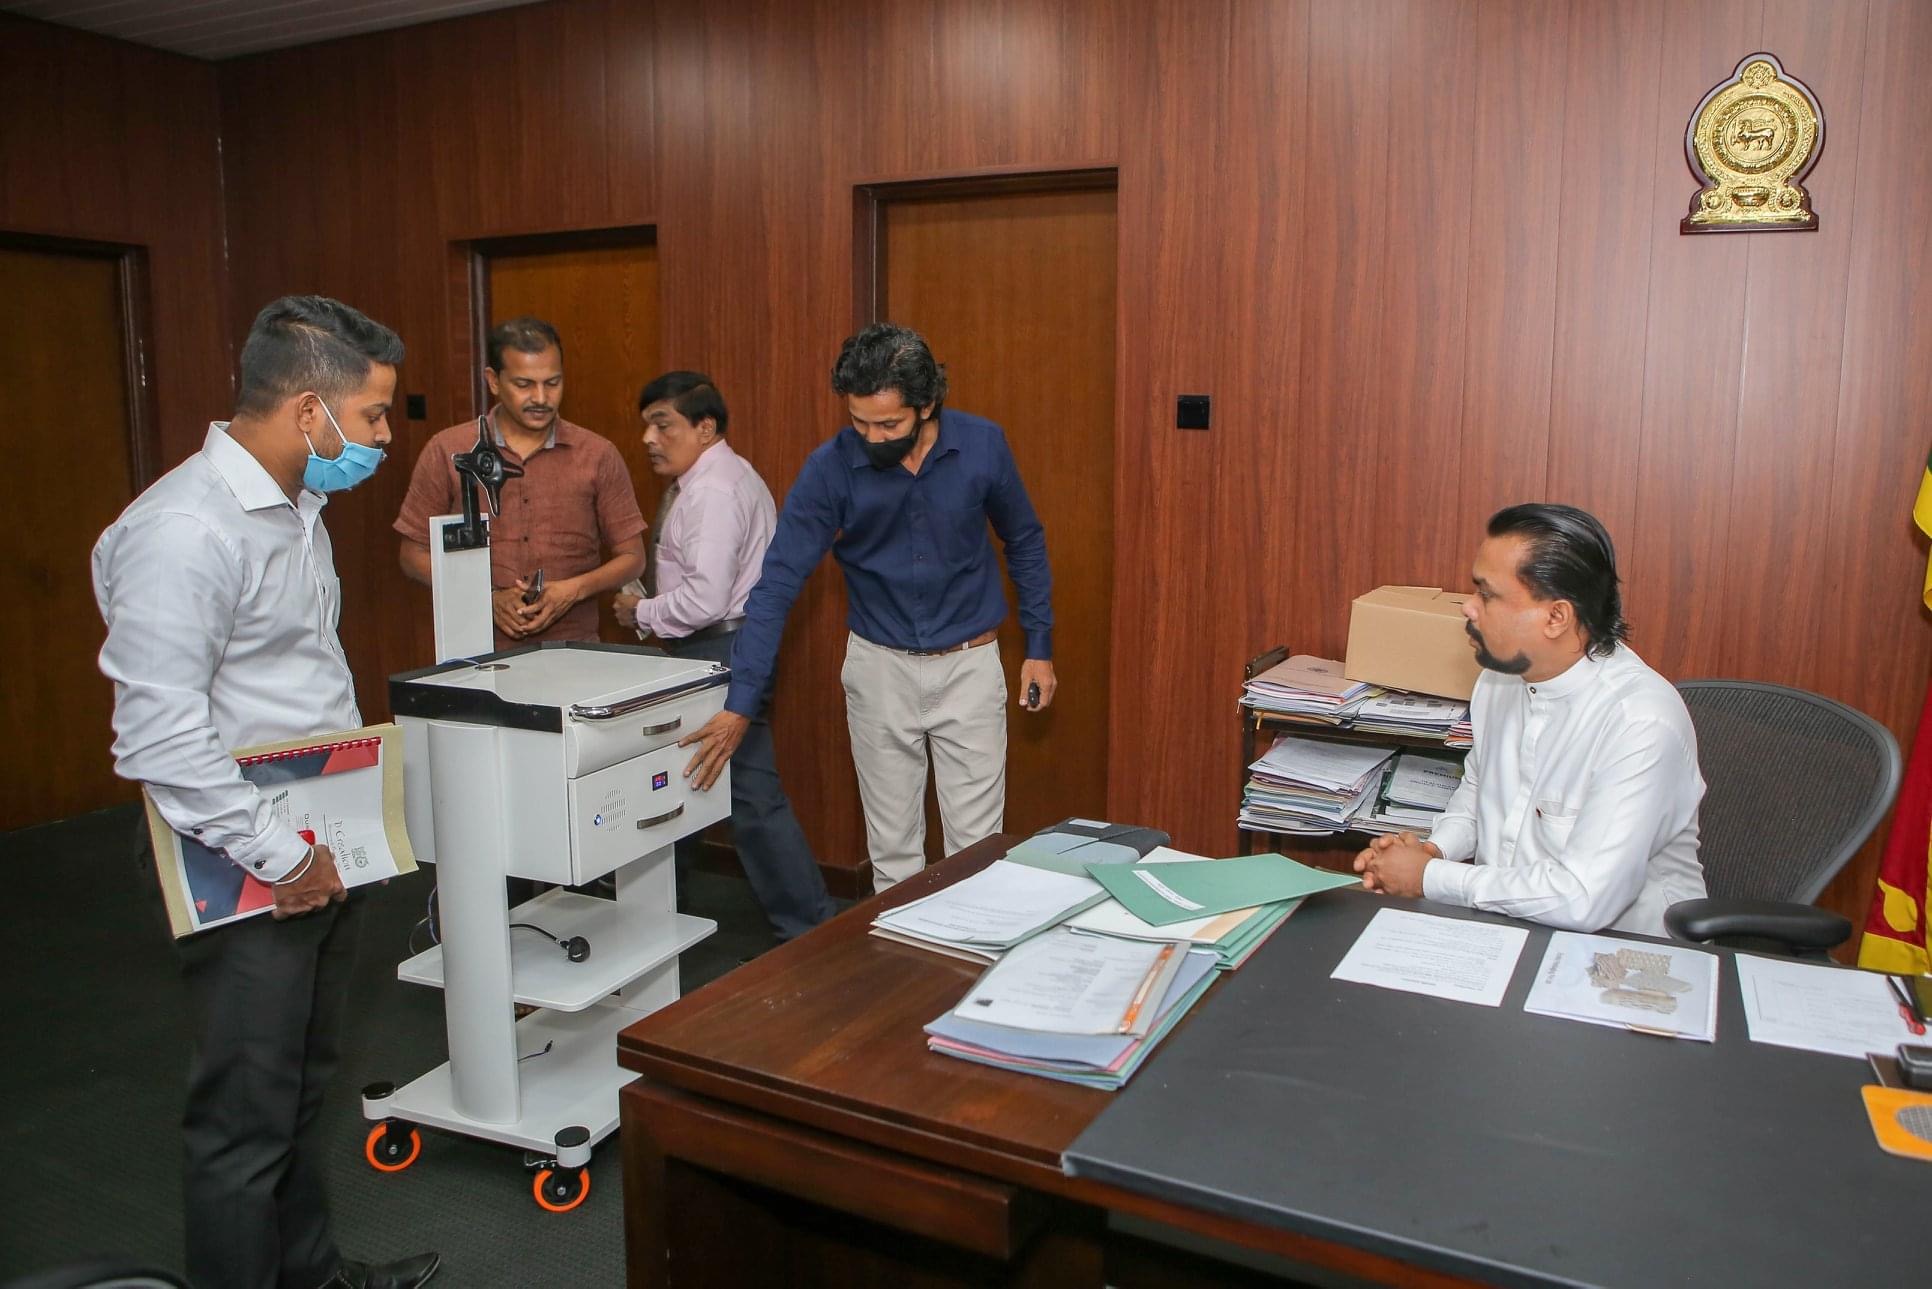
{"x":777,"y":859}
{"x":899,"y":709}
{"x":267,"y":1000}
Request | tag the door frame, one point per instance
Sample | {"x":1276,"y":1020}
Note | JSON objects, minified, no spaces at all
{"x":470,"y":265}
{"x":869,"y":272}
{"x":870,"y":198}
{"x":131,"y":271}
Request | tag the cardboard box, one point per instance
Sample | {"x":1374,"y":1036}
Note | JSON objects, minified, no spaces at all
{"x":1411,"y":637}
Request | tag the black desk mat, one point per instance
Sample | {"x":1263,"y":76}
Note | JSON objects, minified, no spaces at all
{"x":1511,"y":1148}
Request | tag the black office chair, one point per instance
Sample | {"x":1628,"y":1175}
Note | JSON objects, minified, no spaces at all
{"x":1795,"y":783}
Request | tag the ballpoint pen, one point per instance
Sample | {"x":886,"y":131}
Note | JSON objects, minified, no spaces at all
{"x":1907,"y":1010}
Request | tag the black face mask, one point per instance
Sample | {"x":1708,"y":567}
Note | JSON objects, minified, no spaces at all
{"x":884,"y":456}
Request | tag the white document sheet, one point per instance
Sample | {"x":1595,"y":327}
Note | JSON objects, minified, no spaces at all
{"x":1602,"y":980}
{"x":997,"y":905}
{"x":1470,"y":962}
{"x":1064,"y":983}
{"x":1837,"y":1010}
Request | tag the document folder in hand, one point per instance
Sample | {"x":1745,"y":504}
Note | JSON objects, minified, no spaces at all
{"x":1164,"y":894}
{"x":341,"y":790}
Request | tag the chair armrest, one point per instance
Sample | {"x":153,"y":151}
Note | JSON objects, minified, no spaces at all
{"x":1800,"y":926}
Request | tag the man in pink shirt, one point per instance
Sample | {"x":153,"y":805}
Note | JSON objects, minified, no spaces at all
{"x":707,"y":548}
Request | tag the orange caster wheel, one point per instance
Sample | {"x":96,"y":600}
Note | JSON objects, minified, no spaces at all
{"x":558,"y":1190}
{"x":392,"y":1147}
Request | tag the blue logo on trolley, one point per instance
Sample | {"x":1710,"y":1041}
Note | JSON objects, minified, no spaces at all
{"x":662,"y":779}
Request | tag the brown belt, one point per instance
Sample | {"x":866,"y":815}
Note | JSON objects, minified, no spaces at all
{"x":983,"y":638}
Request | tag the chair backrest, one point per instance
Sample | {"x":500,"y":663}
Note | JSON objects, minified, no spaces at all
{"x":1795,"y":783}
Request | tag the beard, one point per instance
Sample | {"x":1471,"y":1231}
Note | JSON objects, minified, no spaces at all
{"x":1507,"y":666}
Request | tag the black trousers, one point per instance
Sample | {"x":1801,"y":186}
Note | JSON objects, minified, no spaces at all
{"x":267,"y":1002}
{"x":777,"y":859}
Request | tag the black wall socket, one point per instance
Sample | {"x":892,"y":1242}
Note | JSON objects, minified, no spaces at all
{"x":1191,"y":412}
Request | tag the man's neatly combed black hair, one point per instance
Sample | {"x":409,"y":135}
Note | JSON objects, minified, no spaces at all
{"x":888,"y":356}
{"x":1570,"y":558}
{"x":310,"y":343}
{"x":692,"y":393}
{"x":526,"y":335}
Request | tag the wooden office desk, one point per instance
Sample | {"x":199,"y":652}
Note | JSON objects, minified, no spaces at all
{"x":792,"y":1129}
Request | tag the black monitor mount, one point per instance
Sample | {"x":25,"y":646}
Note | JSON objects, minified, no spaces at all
{"x":482,"y":466}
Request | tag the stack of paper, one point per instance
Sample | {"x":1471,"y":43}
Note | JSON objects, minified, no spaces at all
{"x":1414,"y":794}
{"x":980,"y":917}
{"x":1461,"y":734}
{"x":1412,"y":715}
{"x":1083,"y":1009}
{"x":1307,"y":689}
{"x":1233,"y":936}
{"x":1311,"y":786}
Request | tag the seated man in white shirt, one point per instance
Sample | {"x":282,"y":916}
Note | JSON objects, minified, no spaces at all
{"x":1579,"y":799}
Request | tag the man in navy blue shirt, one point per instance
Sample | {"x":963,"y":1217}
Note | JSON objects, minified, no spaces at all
{"x":902,"y":497}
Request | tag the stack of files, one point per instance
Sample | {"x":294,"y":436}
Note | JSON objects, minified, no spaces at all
{"x":1461,"y":734}
{"x":1233,"y":936}
{"x":1311,"y":786}
{"x":1411,"y":715}
{"x":1307,"y":689}
{"x":1414,"y":795}
{"x":1084,"y":1009}
{"x":980,"y":917}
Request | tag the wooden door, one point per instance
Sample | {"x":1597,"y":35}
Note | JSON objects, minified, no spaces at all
{"x":71,"y":473}
{"x":1015,"y":293}
{"x":602,"y":298}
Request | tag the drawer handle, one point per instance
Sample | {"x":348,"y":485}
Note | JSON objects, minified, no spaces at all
{"x":664,"y":818}
{"x":665,"y":728}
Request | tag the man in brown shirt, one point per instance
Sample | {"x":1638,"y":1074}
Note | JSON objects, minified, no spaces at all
{"x":573,"y":502}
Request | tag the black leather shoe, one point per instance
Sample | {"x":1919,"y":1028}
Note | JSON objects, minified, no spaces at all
{"x":404,"y":1273}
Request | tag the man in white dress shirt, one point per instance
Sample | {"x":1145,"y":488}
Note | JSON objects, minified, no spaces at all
{"x":219,"y":590}
{"x":1579,"y":799}
{"x":706,"y":549}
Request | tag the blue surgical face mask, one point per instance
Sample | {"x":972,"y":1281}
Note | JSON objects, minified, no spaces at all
{"x":349,"y":467}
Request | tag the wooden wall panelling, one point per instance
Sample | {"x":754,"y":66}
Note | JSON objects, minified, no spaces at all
{"x":1875,"y":649}
{"x":1021,"y":81}
{"x":117,"y":143}
{"x":1603,"y":199}
{"x":1412,"y":433}
{"x":1788,"y":388}
{"x":1517,"y":216}
{"x":487,"y":125}
{"x":1347,"y":188}
{"x":1212,"y":121}
{"x":756,"y":137}
{"x":1693,"y":351}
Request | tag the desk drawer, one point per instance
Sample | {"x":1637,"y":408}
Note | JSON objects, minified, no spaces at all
{"x":634,"y":807}
{"x":960,"y":1209}
{"x":593,"y":745}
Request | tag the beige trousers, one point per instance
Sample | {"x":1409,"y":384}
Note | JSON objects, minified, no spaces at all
{"x":897,"y":706}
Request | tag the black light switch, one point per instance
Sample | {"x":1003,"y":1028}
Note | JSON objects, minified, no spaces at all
{"x":1191,"y":412}
{"x":416,"y":407}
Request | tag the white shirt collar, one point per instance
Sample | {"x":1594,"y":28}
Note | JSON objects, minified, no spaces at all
{"x":254,"y":487}
{"x":1573,"y":680}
